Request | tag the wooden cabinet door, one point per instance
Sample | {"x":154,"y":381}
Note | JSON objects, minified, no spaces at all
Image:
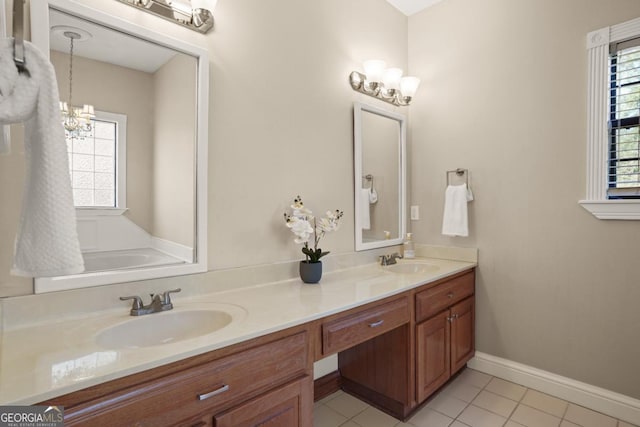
{"x":432,"y":354}
{"x":462,"y":334}
{"x":287,"y":406}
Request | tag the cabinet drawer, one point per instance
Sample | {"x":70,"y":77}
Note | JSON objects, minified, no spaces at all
{"x":353,"y":329}
{"x":169,"y":400}
{"x":287,"y":406}
{"x":434,"y":300}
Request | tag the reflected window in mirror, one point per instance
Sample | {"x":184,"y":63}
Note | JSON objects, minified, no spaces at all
{"x":97,"y":163}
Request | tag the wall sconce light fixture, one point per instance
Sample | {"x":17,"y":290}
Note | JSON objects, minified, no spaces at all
{"x":196,"y":14}
{"x":384,"y":83}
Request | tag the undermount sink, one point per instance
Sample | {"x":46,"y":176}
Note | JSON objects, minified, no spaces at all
{"x":411,"y":267}
{"x":164,"y":328}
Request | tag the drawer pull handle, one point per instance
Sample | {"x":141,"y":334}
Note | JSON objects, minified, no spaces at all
{"x":214,"y":392}
{"x":450,"y":295}
{"x":376,"y":324}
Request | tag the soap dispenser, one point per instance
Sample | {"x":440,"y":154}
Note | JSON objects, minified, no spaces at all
{"x":408,"y":250}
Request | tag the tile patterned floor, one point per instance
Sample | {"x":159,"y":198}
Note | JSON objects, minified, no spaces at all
{"x":473,"y":399}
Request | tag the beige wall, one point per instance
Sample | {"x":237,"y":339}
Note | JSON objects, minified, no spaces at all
{"x":504,"y":94}
{"x":174,"y":149}
{"x":121,"y":90}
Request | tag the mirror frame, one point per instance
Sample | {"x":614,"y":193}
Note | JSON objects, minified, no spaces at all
{"x":358,"y":109}
{"x":40,"y":38}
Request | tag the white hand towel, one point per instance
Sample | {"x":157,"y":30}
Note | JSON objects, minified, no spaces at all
{"x":47,"y":240}
{"x":373,"y":196}
{"x":8,"y":80}
{"x":365,"y":214}
{"x":455,"y":221}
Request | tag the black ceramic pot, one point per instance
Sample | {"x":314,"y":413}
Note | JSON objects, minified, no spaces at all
{"x":310,"y":272}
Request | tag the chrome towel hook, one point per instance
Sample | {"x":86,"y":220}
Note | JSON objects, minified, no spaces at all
{"x":18,"y":36}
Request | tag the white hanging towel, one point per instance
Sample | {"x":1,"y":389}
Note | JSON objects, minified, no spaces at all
{"x":365,"y":211}
{"x":373,"y":196}
{"x":8,"y":77}
{"x":455,"y":221}
{"x":47,"y":239}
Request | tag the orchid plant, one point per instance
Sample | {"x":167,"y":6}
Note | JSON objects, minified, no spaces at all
{"x":308,"y":228}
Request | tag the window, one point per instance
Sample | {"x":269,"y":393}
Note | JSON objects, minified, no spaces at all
{"x":613,"y":122}
{"x":624,"y":121}
{"x":97,"y":163}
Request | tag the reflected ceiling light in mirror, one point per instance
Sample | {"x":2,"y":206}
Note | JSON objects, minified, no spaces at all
{"x":384,"y":83}
{"x":196,"y":15}
{"x":76,"y":120}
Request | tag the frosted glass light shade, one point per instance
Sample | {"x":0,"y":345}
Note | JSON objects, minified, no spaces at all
{"x":374,"y":70}
{"x":409,"y":86}
{"x":391,"y":78}
{"x":204,"y":4}
{"x":180,"y":6}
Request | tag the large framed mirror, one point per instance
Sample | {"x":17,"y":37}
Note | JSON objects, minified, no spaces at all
{"x":139,"y":166}
{"x":380,"y":177}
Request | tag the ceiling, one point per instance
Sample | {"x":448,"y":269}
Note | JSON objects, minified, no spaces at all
{"x":409,"y":7}
{"x":107,"y":45}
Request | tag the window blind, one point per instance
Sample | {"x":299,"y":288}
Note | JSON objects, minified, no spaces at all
{"x":624,"y":120}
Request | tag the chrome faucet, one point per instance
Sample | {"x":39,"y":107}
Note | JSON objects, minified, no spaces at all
{"x":389,"y":259}
{"x":159,"y":302}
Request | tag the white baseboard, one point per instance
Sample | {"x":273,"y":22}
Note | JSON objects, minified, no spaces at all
{"x":177,"y":250}
{"x":599,"y":399}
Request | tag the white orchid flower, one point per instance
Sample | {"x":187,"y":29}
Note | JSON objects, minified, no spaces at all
{"x":301,"y":228}
{"x":327,"y":224}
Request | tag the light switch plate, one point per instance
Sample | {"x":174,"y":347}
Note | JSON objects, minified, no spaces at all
{"x":415,"y":213}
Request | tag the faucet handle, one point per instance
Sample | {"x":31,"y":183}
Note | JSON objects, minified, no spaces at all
{"x":166,"y":296}
{"x":137,"y":302}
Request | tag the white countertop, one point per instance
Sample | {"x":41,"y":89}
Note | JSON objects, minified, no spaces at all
{"x":39,"y":362}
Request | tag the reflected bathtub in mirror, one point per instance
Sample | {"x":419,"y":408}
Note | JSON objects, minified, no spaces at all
{"x":380,"y":177}
{"x":139,"y":176}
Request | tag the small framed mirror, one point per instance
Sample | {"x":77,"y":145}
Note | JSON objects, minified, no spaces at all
{"x":139,"y":167}
{"x":380,"y":177}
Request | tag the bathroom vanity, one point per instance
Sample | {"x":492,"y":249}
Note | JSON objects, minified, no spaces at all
{"x":394,"y":351}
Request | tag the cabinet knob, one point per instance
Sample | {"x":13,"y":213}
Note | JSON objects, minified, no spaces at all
{"x":450,"y":295}
{"x":214,"y":392}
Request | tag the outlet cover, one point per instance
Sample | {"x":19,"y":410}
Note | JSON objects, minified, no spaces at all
{"x":415,"y":213}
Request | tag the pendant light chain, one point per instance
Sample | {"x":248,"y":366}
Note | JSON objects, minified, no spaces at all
{"x":76,"y":120}
{"x":70,"y":70}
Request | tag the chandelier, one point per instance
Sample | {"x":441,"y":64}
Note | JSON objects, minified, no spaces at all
{"x":76,"y":120}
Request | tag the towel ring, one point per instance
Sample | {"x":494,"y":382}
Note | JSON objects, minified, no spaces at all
{"x":459,"y":172}
{"x":369,"y":178}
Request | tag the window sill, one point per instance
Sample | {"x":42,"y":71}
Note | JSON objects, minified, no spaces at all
{"x":613,"y":209}
{"x":83,"y":212}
